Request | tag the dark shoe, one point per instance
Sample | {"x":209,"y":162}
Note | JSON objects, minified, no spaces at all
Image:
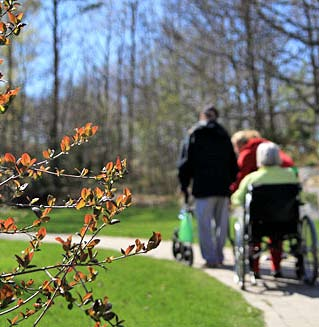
{"x":209,"y":265}
{"x":257,"y":275}
{"x":300,"y":270}
{"x":276,"y":274}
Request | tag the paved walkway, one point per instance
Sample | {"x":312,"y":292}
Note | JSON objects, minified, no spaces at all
{"x":285,"y":302}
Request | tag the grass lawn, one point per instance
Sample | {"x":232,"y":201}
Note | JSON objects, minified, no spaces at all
{"x":135,"y":221}
{"x":149,"y":293}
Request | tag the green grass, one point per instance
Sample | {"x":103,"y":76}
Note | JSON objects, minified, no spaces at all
{"x":135,"y":221}
{"x":149,"y":293}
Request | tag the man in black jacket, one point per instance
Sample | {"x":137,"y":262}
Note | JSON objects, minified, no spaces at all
{"x":208,"y":161}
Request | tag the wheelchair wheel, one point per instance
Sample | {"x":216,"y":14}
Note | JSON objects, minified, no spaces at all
{"x":240,"y":253}
{"x":309,"y":258}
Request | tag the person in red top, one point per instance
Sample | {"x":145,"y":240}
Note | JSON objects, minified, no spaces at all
{"x":245,"y":143}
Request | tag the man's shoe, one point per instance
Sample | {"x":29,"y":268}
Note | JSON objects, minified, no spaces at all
{"x":257,"y":275}
{"x":209,"y":265}
{"x":276,"y":274}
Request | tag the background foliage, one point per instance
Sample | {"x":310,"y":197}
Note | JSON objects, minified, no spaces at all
{"x":142,"y":69}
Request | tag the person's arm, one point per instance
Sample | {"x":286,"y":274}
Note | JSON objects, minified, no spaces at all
{"x":238,"y":198}
{"x":233,"y":163}
{"x":286,"y":161}
{"x":246,"y":164}
{"x":184,"y":169}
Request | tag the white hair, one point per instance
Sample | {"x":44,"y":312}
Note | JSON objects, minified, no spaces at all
{"x":268,"y":154}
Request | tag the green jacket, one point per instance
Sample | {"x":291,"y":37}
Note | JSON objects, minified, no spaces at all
{"x":264,"y":175}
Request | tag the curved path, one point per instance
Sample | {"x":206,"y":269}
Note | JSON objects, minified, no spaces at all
{"x":285,"y":302}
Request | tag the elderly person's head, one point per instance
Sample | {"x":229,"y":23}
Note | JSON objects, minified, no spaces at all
{"x":268,"y":154}
{"x":240,"y":138}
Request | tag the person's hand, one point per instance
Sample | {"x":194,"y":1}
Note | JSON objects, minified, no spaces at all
{"x":186,"y":194}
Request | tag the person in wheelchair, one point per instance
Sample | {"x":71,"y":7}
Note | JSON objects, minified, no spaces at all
{"x":269,"y":172}
{"x":245,"y":144}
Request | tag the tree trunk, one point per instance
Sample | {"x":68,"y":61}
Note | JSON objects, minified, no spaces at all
{"x":131,"y":92}
{"x":56,"y":82}
{"x":250,"y":60}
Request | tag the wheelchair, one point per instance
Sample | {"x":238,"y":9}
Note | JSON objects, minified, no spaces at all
{"x":273,"y":211}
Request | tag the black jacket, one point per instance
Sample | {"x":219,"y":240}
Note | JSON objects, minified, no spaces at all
{"x":208,"y":160}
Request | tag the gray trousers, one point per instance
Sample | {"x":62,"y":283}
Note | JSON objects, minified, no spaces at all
{"x":212,"y":215}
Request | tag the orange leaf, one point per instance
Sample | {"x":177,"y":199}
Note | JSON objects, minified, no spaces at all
{"x":41,"y":233}
{"x":8,"y":157}
{"x":83,"y":231}
{"x":30,"y":282}
{"x":81,"y":204}
{"x":46,"y":286}
{"x":87,"y":219}
{"x":109,"y":166}
{"x":94,"y":129}
{"x":3,"y":29}
{"x":110,"y":206}
{"x":46,"y":211}
{"x":29,"y":312}
{"x":92,"y":244}
{"x":72,"y":283}
{"x":59,"y":239}
{"x":79,"y":276}
{"x":46,"y":154}
{"x":98,"y":192}
{"x":128,"y":200}
{"x":127,"y":192}
{"x":129,"y":249}
{"x":139,"y":245}
{"x":36,"y":222}
{"x":85,"y":193}
{"x":15,"y":319}
{"x":120,"y":200}
{"x":26,"y":160}
{"x":28,"y":258}
{"x":65,"y":244}
{"x":154,"y":241}
{"x":9,"y":223}
{"x":12,"y":18}
{"x":51,"y":200}
{"x":88,"y":127}
{"x":13,"y":92}
{"x":19,"y":17}
{"x":118,"y":164}
{"x":87,"y":296}
{"x":6,"y":292}
{"x":65,"y":144}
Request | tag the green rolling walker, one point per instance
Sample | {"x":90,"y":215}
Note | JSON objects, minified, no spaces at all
{"x":183,"y":236}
